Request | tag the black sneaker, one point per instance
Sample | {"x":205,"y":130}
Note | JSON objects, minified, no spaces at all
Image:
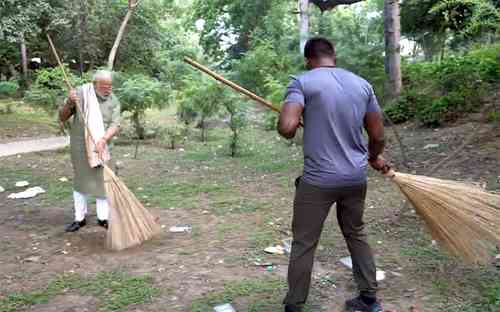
{"x":103,"y":223}
{"x":292,"y":308}
{"x":76,"y":225}
{"x":357,"y":305}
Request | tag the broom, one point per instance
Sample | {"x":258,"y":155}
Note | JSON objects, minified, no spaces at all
{"x":462,"y":217}
{"x":130,"y":224}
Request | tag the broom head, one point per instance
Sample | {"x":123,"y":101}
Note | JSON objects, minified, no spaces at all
{"x":463,"y":218}
{"x":130,"y":224}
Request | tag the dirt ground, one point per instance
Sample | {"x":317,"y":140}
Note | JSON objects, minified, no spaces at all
{"x":236,"y":208}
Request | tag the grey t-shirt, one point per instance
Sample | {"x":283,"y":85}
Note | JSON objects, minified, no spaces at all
{"x":335,"y":102}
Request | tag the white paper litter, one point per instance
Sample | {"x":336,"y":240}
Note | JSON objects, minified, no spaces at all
{"x":224,"y":308}
{"x":275,"y":250}
{"x":22,"y":183}
{"x":180,"y":229}
{"x":287,"y":245}
{"x":29,"y":193}
{"x":380,"y":276}
{"x":63,"y":179}
{"x":347,"y":261}
{"x":2,"y":189}
{"x":429,"y":146}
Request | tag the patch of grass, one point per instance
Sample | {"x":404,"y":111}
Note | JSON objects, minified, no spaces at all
{"x":55,"y":191}
{"x":24,"y":115}
{"x":115,"y":290}
{"x":200,"y":155}
{"x":195,"y":232}
{"x":425,"y":254}
{"x":491,"y":297}
{"x":225,"y":228}
{"x":254,"y":289}
{"x":262,"y":238}
{"x":231,"y":204}
{"x":9,"y":177}
{"x":181,"y":195}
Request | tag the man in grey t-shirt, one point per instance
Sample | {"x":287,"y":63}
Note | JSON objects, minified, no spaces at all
{"x":335,"y":105}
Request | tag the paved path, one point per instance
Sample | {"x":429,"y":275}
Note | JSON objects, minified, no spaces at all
{"x":35,"y":145}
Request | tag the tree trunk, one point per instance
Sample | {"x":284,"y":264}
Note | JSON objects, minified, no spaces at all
{"x":24,"y":58}
{"x":202,"y":129}
{"x":234,"y":143}
{"x":83,"y":33}
{"x":112,"y":55}
{"x":392,"y":27}
{"x":139,"y":129}
{"x":303,"y":23}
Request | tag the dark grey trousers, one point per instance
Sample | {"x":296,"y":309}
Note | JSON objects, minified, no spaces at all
{"x":311,"y":207}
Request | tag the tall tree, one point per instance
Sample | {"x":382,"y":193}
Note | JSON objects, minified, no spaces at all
{"x":303,"y":23}
{"x":24,"y":57}
{"x":132,"y":4}
{"x":229,"y":25}
{"x":82,"y":34}
{"x":21,"y":23}
{"x":392,"y":30}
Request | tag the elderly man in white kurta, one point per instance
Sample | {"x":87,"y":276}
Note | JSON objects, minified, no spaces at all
{"x":100,"y":110}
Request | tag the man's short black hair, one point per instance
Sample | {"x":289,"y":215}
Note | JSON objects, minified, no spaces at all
{"x":319,"y":47}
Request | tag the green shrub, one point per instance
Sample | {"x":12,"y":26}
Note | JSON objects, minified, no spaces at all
{"x":432,"y":115}
{"x":399,"y":111}
{"x":438,"y":92}
{"x":8,"y":88}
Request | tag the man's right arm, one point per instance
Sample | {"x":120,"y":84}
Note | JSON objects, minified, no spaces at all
{"x":69,"y":107}
{"x":292,"y":110}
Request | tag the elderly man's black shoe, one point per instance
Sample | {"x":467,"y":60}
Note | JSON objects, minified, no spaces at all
{"x":76,"y":225}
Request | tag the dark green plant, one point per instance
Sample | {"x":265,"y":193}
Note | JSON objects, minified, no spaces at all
{"x":399,"y":111}
{"x":8,"y":88}
{"x":438,"y":92}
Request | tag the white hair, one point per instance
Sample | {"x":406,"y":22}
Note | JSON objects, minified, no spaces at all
{"x":102,"y":75}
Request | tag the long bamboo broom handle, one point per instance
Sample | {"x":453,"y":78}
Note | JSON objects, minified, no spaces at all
{"x":54,"y":51}
{"x":231,"y":84}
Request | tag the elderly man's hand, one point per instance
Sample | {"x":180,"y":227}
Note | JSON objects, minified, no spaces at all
{"x":101,"y":147}
{"x":73,"y":97}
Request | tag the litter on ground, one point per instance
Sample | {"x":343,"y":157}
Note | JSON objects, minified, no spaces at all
{"x":224,"y":308}
{"x":29,"y":193}
{"x":22,"y":183}
{"x":180,"y":229}
{"x":275,"y":250}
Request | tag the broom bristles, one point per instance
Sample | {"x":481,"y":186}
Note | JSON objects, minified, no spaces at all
{"x":130,"y":224}
{"x":463,"y":218}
